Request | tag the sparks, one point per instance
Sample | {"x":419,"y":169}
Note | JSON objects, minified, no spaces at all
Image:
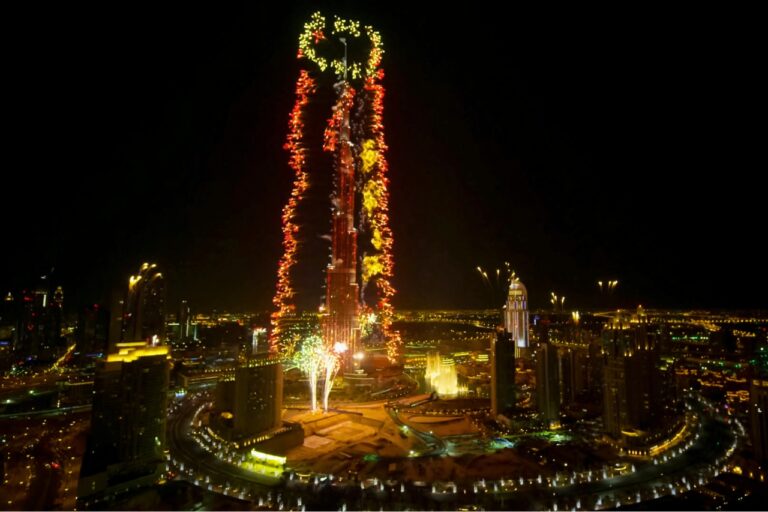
{"x":282,"y":300}
{"x":317,"y":45}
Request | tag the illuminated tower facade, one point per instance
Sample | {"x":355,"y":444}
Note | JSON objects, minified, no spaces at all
{"x":258,"y":402}
{"x":631,"y":400}
{"x":342,"y":298}
{"x":516,"y":316}
{"x":758,"y":405}
{"x":358,"y":304}
{"x":144,"y":307}
{"x":184,"y":321}
{"x":126,"y":445}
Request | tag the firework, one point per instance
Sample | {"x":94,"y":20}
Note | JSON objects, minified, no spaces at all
{"x":310,"y":358}
{"x":361,"y":170}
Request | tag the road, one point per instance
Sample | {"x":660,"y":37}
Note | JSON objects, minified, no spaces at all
{"x":47,"y":413}
{"x":185,"y":449}
{"x":647,"y":482}
{"x":664,"y":478}
{"x":436,"y":444}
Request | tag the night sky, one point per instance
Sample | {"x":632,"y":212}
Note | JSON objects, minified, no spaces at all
{"x":577,"y":145}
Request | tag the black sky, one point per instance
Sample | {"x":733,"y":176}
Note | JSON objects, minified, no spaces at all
{"x":576,"y":145}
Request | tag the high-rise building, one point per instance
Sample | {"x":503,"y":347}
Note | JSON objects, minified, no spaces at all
{"x":127,"y":441}
{"x":92,"y":334}
{"x":116,"y":314}
{"x":516,"y":316}
{"x":185,"y":321}
{"x":358,"y":297}
{"x":258,"y":404}
{"x":144,"y":308}
{"x":342,"y":297}
{"x":55,"y":321}
{"x":758,"y":415}
{"x":547,"y":380}
{"x":574,"y":373}
{"x":758,"y":405}
{"x":10,"y":319}
{"x":502,"y":373}
{"x":630,"y":378}
{"x":39,"y":317}
{"x":28,"y":330}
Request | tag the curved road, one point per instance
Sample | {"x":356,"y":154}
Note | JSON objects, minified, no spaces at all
{"x":185,"y":449}
{"x":648,"y":481}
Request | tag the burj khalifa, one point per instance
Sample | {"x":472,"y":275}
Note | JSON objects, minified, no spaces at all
{"x":342,"y":299}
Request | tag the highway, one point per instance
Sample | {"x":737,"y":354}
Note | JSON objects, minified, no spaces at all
{"x":46,"y":412}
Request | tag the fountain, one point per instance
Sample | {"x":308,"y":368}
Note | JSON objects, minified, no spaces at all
{"x":441,"y":375}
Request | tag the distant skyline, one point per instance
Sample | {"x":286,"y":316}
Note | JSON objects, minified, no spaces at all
{"x":576,"y":145}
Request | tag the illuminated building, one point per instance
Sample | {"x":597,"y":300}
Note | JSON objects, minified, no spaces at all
{"x":574,"y":374}
{"x":185,"y":321}
{"x":502,"y":372}
{"x":631,"y":379}
{"x":39,"y":318}
{"x":342,"y":304}
{"x":258,"y":404}
{"x":358,"y":302}
{"x":758,"y":405}
{"x":758,"y":412}
{"x":547,"y":379}
{"x":29,"y":330}
{"x":116,"y":307}
{"x":248,"y":408}
{"x":143,"y":312}
{"x":126,"y":445}
{"x":516,"y":316}
{"x":225,"y":401}
{"x":251,"y":403}
{"x":54,"y":321}
{"x":580,"y":365}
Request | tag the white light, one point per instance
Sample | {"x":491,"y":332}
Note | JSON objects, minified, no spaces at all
{"x":340,"y":347}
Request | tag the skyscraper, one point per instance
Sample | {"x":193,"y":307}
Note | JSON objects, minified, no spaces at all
{"x":184,"y":320}
{"x":630,"y":379}
{"x":144,"y":308}
{"x":547,"y":380}
{"x":55,"y":321}
{"x":258,"y":404}
{"x":342,"y":303}
{"x":39,"y":317}
{"x":574,"y":373}
{"x":758,"y":405}
{"x":116,"y":313}
{"x":578,"y":354}
{"x":358,"y":306}
{"x":516,"y":316}
{"x":92,"y":331}
{"x":502,"y":373}
{"x":127,"y":441}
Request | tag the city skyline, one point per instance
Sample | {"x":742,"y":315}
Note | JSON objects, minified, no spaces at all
{"x":575,"y":160}
{"x":483,"y":263}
